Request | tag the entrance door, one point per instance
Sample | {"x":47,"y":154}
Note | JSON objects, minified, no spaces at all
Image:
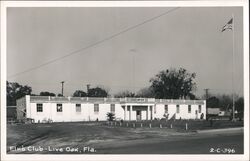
{"x":196,"y":114}
{"x":138,"y":115}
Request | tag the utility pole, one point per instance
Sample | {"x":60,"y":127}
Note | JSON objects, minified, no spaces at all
{"x":62,"y":87}
{"x":233,"y":70}
{"x":230,"y":25}
{"x":133,"y":51}
{"x":206,"y":92}
{"x":88,"y":87}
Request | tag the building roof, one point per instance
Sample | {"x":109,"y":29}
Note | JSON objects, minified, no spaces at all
{"x":43,"y":99}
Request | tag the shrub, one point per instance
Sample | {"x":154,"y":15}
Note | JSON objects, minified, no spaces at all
{"x":110,"y":116}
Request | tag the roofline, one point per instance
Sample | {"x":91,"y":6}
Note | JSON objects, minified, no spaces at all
{"x":121,"y":100}
{"x":109,"y":97}
{"x":22,"y":97}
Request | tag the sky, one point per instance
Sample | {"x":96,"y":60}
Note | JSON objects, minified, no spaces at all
{"x":187,"y":37}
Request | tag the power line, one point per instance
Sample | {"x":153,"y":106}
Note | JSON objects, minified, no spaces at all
{"x":95,"y":44}
{"x":93,"y":84}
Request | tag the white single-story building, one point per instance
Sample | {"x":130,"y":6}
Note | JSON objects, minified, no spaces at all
{"x":67,"y":109}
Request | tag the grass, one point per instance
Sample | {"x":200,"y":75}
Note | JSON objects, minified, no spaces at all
{"x":99,"y":134}
{"x":68,"y":134}
{"x":179,"y":125}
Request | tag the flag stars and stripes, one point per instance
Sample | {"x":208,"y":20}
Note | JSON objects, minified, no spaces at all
{"x":229,"y":25}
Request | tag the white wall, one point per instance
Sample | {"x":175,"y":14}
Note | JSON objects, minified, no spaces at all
{"x":119,"y":111}
{"x":39,"y":115}
{"x":87,"y":112}
{"x":21,"y":106}
{"x":160,"y":110}
{"x":172,"y":109}
{"x":69,"y":113}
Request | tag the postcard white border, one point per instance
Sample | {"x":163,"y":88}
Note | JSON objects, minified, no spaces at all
{"x":225,"y":3}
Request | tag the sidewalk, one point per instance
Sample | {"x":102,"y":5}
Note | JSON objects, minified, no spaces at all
{"x":236,"y":129}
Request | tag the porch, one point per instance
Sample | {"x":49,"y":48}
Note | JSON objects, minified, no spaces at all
{"x":138,"y":112}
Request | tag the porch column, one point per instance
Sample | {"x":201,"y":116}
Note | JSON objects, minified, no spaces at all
{"x":130,"y":112}
{"x":147,"y":112}
{"x":125,"y":112}
{"x":151,"y":113}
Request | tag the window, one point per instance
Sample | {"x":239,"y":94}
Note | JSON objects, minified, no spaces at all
{"x":112,"y":107}
{"x":189,"y":108}
{"x":59,"y":107}
{"x":177,"y":108}
{"x":166,"y":108}
{"x":78,"y":108}
{"x":199,"y":108}
{"x":39,"y":107}
{"x":96,"y":108}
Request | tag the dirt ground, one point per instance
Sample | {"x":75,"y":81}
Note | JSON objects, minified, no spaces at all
{"x":79,"y":138}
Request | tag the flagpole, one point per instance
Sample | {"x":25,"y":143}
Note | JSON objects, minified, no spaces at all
{"x":233,"y":70}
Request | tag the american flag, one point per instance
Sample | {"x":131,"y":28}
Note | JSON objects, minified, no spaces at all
{"x":229,"y":25}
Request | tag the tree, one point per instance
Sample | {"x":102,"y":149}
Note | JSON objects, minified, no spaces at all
{"x":191,"y":96}
{"x":239,"y":104}
{"x":59,"y":95}
{"x":110,"y":116}
{"x":124,"y":94}
{"x":79,"y":93}
{"x":147,"y":92}
{"x":47,"y":94}
{"x":225,"y":102}
{"x":97,"y":92}
{"x":16,"y":91}
{"x":173,"y":84}
{"x":213,"y":102}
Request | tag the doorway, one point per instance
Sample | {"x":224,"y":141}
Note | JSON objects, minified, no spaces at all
{"x":138,"y":115}
{"x":196,"y":114}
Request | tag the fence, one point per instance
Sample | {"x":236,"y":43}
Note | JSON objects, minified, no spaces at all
{"x":187,"y":125}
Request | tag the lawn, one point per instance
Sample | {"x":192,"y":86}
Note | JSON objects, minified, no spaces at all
{"x":179,"y":125}
{"x":71,"y":134}
{"x":88,"y":136}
